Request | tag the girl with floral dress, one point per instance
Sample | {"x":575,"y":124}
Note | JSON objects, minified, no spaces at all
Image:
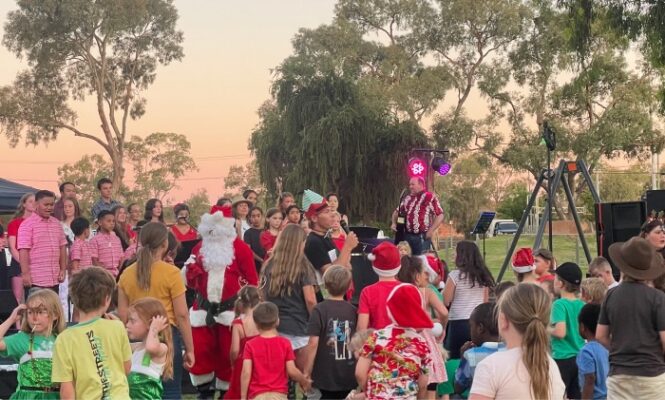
{"x":152,"y":358}
{"x":394,"y":362}
{"x":42,"y":319}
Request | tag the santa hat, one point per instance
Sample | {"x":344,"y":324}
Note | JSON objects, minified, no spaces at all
{"x":433,"y":266}
{"x":523,"y":261}
{"x":385,"y":259}
{"x":405,"y":308}
{"x":225,"y":210}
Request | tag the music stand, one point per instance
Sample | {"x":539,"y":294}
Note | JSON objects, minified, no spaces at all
{"x":482,"y":225}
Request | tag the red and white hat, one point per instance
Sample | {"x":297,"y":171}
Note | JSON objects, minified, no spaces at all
{"x":225,"y":210}
{"x":385,"y":259}
{"x":405,"y":307}
{"x":523,"y":261}
{"x":434,"y":267}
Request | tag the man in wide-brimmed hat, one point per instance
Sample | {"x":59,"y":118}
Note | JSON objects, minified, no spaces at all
{"x":632,"y":323}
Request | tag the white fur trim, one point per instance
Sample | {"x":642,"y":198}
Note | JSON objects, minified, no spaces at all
{"x":221,"y":385}
{"x":225,"y":318}
{"x":431,"y":274}
{"x":36,"y":354}
{"x":215,"y":285}
{"x":371,"y":257}
{"x":197,"y":318}
{"x":524,"y":269}
{"x":198,"y":380}
{"x":386,"y":273}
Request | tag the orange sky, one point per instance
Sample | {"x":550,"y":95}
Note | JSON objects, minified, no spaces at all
{"x":211,"y":96}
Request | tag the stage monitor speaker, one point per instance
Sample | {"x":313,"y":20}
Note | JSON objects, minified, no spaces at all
{"x":363,"y":275}
{"x":618,"y":222}
{"x":655,"y":201}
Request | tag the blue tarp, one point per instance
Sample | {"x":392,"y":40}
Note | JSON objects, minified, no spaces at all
{"x":10,"y":194}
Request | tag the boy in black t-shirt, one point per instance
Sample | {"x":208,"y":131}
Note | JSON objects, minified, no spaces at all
{"x":328,"y":358}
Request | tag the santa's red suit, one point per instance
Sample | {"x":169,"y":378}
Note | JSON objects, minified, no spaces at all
{"x":219,"y":266}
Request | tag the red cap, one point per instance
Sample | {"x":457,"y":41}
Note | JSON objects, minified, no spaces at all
{"x":226,"y":210}
{"x":405,"y":307}
{"x":316,"y":208}
{"x":385,"y":259}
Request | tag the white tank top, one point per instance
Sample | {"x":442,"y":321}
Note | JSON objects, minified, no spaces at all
{"x":466,"y":297}
{"x":143,"y":364}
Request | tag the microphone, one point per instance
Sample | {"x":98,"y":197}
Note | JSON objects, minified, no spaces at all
{"x":344,"y":226}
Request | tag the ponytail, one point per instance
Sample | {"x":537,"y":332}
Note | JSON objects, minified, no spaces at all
{"x":527,"y":307}
{"x":152,"y":237}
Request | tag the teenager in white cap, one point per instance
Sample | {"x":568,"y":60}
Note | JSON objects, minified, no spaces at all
{"x":395,"y":361}
{"x":372,"y":305}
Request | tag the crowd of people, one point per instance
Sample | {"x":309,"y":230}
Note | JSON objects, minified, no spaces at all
{"x":259,"y":307}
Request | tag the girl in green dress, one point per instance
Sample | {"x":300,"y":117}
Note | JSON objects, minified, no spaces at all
{"x":42,"y":320}
{"x":152,"y":358}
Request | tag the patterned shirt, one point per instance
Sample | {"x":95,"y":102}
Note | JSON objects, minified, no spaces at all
{"x":44,"y":238}
{"x":399,"y":356}
{"x":107,"y":249}
{"x":420,"y":210}
{"x":81,"y":252}
{"x":471,"y":358}
{"x":100,"y":205}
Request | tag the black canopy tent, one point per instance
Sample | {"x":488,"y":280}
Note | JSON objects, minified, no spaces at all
{"x":10,"y":194}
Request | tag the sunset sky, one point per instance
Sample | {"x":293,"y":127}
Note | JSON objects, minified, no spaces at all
{"x":211,"y":96}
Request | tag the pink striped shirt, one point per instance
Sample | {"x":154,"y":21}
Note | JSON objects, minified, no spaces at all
{"x":107,"y":249}
{"x":44,"y":237}
{"x":81,"y":252}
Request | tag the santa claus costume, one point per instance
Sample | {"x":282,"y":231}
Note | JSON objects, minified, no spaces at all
{"x":219,"y":266}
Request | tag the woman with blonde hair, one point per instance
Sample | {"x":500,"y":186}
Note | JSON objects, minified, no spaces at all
{"x":525,"y":370}
{"x":289,"y":281}
{"x":150,"y":276}
{"x":26,"y":206}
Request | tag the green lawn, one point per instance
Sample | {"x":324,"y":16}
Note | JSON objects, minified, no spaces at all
{"x":566,"y":248}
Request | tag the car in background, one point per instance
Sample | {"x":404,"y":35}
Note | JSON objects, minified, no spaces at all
{"x":505,"y":228}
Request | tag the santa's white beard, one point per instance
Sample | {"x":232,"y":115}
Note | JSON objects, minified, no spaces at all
{"x":217,"y":252}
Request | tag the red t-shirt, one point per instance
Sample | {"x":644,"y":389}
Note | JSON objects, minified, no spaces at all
{"x":191,"y":234}
{"x":267,"y":241}
{"x":545,"y":278}
{"x":13,"y":225}
{"x":339,"y":241}
{"x":373,"y":302}
{"x":131,"y":233}
{"x":269,"y":357}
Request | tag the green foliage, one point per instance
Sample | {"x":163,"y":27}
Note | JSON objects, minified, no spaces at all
{"x":243,"y":177}
{"x":514,"y":202}
{"x":199,"y":204}
{"x":108,"y":50}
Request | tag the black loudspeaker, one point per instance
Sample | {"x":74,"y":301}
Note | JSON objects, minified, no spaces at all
{"x":655,"y":201}
{"x":363,"y":275}
{"x":618,"y":222}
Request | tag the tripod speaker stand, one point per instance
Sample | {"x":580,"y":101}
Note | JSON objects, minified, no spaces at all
{"x":555,"y":178}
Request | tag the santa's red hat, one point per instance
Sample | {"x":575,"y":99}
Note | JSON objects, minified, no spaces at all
{"x":405,"y":307}
{"x":385,"y":259}
{"x":225,"y":210}
{"x":434,"y":266}
{"x":523,"y":261}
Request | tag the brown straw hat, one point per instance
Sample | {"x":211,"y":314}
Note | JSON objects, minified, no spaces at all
{"x":637,"y":258}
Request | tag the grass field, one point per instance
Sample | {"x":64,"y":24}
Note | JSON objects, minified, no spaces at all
{"x":566,"y":248}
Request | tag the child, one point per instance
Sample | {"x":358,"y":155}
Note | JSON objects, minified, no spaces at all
{"x":355,"y":346}
{"x":80,"y":254}
{"x":268,"y":359}
{"x":593,"y":361}
{"x":106,"y":248}
{"x":372,"y":311}
{"x":253,"y":236}
{"x":501,"y":288}
{"x":269,"y":236}
{"x":243,"y":329}
{"x":293,"y":214}
{"x":395,"y":360}
{"x":42,"y":321}
{"x":599,"y":267}
{"x":566,"y":339}
{"x":632,"y":323}
{"x":484,"y":341}
{"x":414,"y":272}
{"x":91,"y":360}
{"x":328,"y":357}
{"x":152,"y":358}
{"x":592,"y":290}
{"x":404,"y":248}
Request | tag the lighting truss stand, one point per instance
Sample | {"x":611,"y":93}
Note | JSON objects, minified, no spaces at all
{"x":555,"y":178}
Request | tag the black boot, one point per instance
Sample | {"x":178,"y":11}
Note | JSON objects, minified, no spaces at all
{"x":205,"y":391}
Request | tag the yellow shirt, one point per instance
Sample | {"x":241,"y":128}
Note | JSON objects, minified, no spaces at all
{"x":91,"y":355}
{"x":165,"y":285}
